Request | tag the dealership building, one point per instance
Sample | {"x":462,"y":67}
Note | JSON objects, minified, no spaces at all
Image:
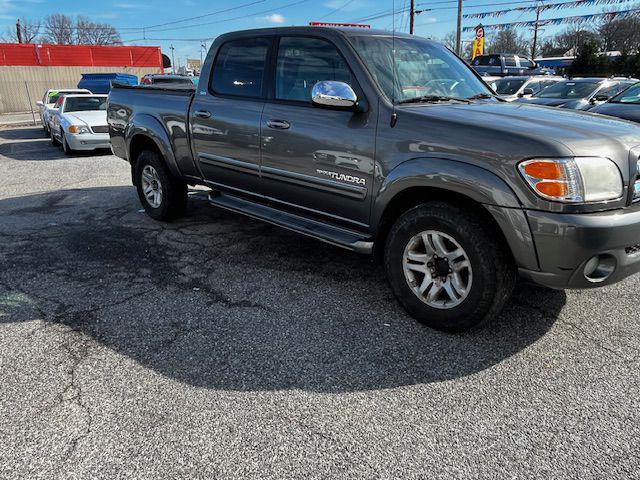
{"x":28,"y":70}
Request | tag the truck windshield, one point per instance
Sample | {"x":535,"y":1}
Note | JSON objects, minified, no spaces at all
{"x":422,"y":68}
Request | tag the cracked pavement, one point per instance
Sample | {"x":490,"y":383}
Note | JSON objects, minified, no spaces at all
{"x":221,"y":347}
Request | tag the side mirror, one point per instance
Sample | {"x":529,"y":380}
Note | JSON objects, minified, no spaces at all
{"x":39,"y":103}
{"x":526,"y":91}
{"x":330,"y":94}
{"x":601,"y":97}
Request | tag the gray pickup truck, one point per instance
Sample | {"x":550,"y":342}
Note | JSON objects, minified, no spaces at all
{"x":392,"y":146}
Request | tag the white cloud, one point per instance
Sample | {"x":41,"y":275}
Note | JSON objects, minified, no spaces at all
{"x":273,"y":18}
{"x":129,"y":6}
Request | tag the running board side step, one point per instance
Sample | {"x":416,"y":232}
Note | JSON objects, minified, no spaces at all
{"x":327,"y":233}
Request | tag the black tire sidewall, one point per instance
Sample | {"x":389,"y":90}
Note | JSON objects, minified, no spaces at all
{"x":173,"y":191}
{"x":477,"y":304}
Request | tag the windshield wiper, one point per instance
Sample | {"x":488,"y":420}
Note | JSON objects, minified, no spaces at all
{"x":479,"y":96}
{"x":433,"y":99}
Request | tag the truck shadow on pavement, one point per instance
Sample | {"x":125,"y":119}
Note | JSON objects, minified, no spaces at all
{"x":221,"y":301}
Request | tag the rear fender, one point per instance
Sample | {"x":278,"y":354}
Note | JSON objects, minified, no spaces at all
{"x":150,"y":127}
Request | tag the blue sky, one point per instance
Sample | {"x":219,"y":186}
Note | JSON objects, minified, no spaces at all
{"x":129,"y":16}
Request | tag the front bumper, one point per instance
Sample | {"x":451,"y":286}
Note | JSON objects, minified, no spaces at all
{"x":88,"y":141}
{"x":566,"y":242}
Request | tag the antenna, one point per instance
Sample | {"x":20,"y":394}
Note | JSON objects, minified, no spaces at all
{"x":394,"y":115}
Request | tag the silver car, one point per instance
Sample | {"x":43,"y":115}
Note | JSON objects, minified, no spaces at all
{"x":49,"y":99}
{"x":80,"y":123}
{"x":514,"y":87}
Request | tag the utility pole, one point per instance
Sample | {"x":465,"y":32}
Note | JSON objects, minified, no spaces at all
{"x":173,"y":64}
{"x":19,"y":31}
{"x":459,"y":29}
{"x":412,"y":14}
{"x":535,"y":35}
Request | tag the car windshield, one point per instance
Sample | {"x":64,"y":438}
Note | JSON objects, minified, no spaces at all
{"x":422,"y":68}
{"x":568,"y":89}
{"x":508,"y":86}
{"x":83,"y":104}
{"x":54,"y":96}
{"x":630,"y":95}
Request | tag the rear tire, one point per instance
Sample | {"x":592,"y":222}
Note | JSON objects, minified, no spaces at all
{"x":163,"y":196}
{"x":468,"y":271}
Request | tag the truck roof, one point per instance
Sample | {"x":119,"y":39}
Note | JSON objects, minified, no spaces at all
{"x":309,"y":30}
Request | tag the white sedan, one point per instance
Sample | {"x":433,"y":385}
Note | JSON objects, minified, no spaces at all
{"x":80,"y":123}
{"x":47,"y":104}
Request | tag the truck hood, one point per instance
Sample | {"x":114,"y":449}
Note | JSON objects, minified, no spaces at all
{"x":549,"y":102}
{"x":90,"y":118}
{"x":507,"y":123}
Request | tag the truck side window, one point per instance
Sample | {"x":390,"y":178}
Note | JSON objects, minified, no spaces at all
{"x":240,"y":66}
{"x":509,"y":61}
{"x":303,"y":62}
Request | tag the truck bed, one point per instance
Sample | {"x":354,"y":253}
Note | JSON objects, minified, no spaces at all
{"x":162,"y":109}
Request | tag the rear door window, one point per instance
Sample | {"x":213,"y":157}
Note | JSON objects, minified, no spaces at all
{"x":240,"y":66}
{"x":509,"y":61}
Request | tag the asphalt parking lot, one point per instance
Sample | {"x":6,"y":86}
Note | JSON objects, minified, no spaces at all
{"x":222,"y":347}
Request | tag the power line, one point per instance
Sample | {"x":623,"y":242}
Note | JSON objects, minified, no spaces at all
{"x":346,"y":4}
{"x":237,"y":7}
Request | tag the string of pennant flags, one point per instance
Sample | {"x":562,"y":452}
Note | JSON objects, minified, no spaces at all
{"x":575,"y":20}
{"x":544,"y":7}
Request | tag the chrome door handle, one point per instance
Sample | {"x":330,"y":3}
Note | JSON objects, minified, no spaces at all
{"x":202,"y":114}
{"x":278,"y":124}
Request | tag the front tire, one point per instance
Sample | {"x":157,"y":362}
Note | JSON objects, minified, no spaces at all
{"x":65,"y":146}
{"x":447,"y":268}
{"x":54,"y":140}
{"x":163,"y":196}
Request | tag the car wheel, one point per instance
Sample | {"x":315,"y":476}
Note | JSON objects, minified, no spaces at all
{"x":163,"y":196}
{"x":54,"y":140}
{"x":65,"y":146}
{"x":447,"y":268}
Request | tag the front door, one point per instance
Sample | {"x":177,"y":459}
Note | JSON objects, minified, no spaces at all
{"x":317,"y":160}
{"x":225,"y":122}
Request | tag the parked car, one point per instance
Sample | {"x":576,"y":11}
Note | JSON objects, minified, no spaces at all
{"x":511,"y":88}
{"x":101,"y":82}
{"x":579,"y":93}
{"x":155,"y":79}
{"x":48,"y":102}
{"x":317,"y":130}
{"x":625,"y":105}
{"x":81,"y":123}
{"x":503,"y":64}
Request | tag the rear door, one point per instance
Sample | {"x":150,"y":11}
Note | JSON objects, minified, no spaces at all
{"x":316,"y":160}
{"x":225,"y":121}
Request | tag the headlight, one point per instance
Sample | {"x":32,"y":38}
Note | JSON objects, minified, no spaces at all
{"x":79,"y":129}
{"x":573,"y":180}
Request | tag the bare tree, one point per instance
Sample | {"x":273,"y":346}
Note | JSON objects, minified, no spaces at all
{"x":58,"y":28}
{"x":622,"y":35}
{"x":572,"y":38}
{"x":508,"y":41}
{"x":93,"y":33}
{"x":30,"y":29}
{"x":449,"y":40}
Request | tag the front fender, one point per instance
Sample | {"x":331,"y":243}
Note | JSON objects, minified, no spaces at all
{"x":476,"y":183}
{"x":150,"y":127}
